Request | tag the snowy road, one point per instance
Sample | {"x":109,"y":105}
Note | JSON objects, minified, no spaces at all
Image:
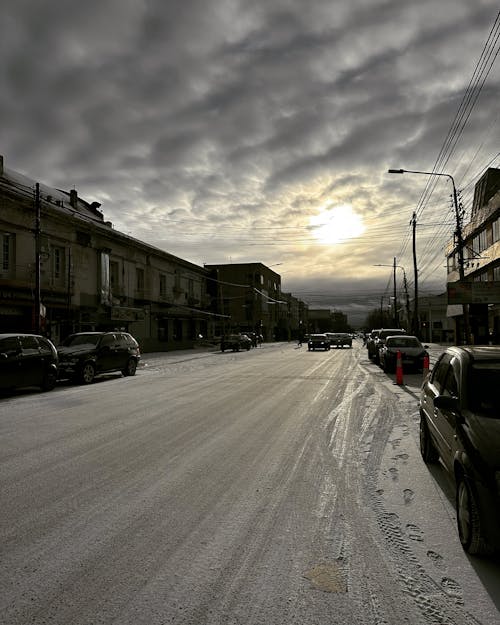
{"x":278,"y":486}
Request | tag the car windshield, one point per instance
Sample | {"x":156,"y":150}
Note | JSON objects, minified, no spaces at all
{"x":485,"y":381}
{"x":81,"y":339}
{"x":403,"y":342}
{"x":385,"y":333}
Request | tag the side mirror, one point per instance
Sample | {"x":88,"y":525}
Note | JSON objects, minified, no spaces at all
{"x":445,"y":402}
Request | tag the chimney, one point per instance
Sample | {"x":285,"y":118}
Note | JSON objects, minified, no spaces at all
{"x":73,"y":198}
{"x":1,"y":165}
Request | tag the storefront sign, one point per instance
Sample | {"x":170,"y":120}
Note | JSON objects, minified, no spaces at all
{"x":121,"y":313}
{"x":473,"y":292}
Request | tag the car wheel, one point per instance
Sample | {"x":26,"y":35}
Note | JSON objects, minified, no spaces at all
{"x":468,"y":519}
{"x":427,"y":449}
{"x":87,"y":373}
{"x":131,"y":367}
{"x":49,"y":381}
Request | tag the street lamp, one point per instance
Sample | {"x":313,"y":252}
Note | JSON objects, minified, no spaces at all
{"x":460,"y":243}
{"x":394,"y":266}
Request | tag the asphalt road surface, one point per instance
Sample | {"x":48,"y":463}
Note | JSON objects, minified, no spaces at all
{"x":276,"y":486}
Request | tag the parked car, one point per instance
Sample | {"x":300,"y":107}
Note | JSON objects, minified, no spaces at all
{"x":339,"y":339}
{"x":379,"y":340}
{"x":27,"y":360}
{"x":318,"y":341}
{"x":84,"y":355}
{"x":235,"y":342}
{"x":460,"y":423}
{"x":412,"y":353}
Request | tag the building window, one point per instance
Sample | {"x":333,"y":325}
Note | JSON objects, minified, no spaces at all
{"x":475,"y":247}
{"x":496,"y":230}
{"x":7,"y":253}
{"x":163,"y":285}
{"x":496,"y":273}
{"x":139,"y":274}
{"x":177,"y":280}
{"x":58,"y":265}
{"x":83,"y":238}
{"x":114,"y":275}
{"x":482,"y":277}
{"x":190,"y":287}
{"x":483,"y":243}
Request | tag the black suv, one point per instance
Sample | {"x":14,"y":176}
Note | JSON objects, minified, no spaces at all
{"x":339,"y":339}
{"x":235,"y":342}
{"x":318,"y":341}
{"x":84,"y":355}
{"x":27,"y":360}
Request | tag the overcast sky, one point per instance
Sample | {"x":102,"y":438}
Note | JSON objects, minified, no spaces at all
{"x":260,"y":131}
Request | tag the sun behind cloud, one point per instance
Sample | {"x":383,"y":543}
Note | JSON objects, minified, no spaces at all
{"x":335,"y":224}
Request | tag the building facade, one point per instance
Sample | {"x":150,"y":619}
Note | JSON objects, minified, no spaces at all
{"x":481,"y":252}
{"x":60,"y":256}
{"x":326,"y":320}
{"x":248,"y":298}
{"x":435,"y":325}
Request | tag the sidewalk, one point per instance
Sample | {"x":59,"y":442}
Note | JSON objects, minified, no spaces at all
{"x":183,"y":355}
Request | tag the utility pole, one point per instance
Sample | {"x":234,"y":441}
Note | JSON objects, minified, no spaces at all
{"x":415,"y":322}
{"x":407,"y":297}
{"x":396,"y":316}
{"x":461,"y":264}
{"x":37,"y":261}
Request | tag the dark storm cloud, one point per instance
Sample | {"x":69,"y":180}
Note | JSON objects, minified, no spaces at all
{"x":210,"y":121}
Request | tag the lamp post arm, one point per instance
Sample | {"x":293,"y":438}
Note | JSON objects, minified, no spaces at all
{"x":460,"y":242}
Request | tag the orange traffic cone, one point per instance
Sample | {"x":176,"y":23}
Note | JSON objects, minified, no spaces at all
{"x":399,"y":369}
{"x":425,"y":367}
